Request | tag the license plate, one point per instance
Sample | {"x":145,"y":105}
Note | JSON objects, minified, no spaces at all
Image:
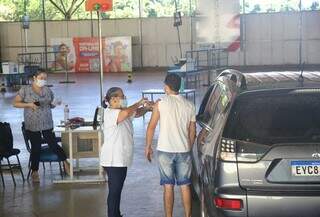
{"x":305,"y":168}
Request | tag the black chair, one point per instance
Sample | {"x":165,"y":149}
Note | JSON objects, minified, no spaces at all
{"x":46,"y":154}
{"x":7,"y":151}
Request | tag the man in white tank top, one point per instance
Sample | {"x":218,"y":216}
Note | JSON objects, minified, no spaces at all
{"x":177,"y":117}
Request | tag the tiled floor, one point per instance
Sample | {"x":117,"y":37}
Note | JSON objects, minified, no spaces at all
{"x":142,"y":195}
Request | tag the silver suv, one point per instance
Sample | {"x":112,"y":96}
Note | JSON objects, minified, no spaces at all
{"x":258,"y":149}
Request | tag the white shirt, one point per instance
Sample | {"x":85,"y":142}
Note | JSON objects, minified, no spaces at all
{"x":176,"y":113}
{"x":117,"y":149}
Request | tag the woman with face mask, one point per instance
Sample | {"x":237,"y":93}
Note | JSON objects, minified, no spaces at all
{"x":37,"y":102}
{"x":117,"y":150}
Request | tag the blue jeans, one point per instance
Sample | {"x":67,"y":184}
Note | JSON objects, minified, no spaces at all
{"x":175,"y":168}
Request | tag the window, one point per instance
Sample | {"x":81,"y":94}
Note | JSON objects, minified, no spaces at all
{"x":13,"y":10}
{"x":275,"y":118}
{"x":213,"y":117}
{"x":269,"y":6}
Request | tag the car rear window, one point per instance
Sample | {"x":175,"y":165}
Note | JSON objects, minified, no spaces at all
{"x":269,"y":118}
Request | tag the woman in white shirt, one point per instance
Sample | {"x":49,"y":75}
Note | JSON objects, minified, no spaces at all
{"x":117,"y":150}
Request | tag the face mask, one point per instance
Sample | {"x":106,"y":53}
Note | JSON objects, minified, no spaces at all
{"x":41,"y":83}
{"x":123,"y":103}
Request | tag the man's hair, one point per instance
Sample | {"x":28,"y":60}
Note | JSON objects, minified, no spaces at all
{"x":173,"y":81}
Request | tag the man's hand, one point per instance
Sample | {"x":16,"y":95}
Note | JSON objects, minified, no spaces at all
{"x":148,"y":152}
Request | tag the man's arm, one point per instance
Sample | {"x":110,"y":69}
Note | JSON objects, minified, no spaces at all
{"x":192,"y":133}
{"x":150,"y":131}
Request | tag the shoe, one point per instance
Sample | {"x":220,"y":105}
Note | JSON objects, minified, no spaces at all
{"x":35,"y":177}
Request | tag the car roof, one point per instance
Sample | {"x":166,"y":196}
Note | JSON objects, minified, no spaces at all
{"x":271,"y":80}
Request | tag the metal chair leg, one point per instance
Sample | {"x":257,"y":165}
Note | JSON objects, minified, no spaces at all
{"x":64,"y":169}
{"x":61,"y":173}
{"x":1,"y":174}
{"x":20,"y":168}
{"x":29,"y":164}
{"x":14,"y":181}
{"x":29,"y":172}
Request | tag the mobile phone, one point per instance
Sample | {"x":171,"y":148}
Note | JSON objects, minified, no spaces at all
{"x":37,"y":103}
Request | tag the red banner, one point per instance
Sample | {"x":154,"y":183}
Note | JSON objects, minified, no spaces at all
{"x":87,"y":54}
{"x":81,"y":54}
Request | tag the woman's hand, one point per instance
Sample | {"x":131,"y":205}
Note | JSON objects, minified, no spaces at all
{"x":131,"y":110}
{"x":143,"y":101}
{"x":56,"y":102}
{"x":152,"y":104}
{"x":32,"y":106}
{"x":149,"y":105}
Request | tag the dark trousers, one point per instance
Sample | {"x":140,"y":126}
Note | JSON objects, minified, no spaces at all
{"x":36,"y":139}
{"x":116,"y":177}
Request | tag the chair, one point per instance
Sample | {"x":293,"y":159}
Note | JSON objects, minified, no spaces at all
{"x":46,"y":155}
{"x":7,"y":151}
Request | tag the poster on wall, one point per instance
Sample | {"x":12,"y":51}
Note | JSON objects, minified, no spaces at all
{"x":87,"y":54}
{"x":81,"y":54}
{"x":117,"y":54}
{"x":62,"y":57}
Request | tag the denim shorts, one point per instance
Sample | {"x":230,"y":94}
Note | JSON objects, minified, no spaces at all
{"x":175,"y":168}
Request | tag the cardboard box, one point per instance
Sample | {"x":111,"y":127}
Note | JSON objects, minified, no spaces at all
{"x":85,"y":145}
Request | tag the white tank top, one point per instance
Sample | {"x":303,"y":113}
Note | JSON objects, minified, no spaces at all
{"x":176,"y":113}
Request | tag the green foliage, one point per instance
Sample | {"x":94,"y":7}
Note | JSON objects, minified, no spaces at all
{"x":270,"y":6}
{"x":256,"y":9}
{"x":315,"y":6}
{"x":13,"y":10}
{"x":67,"y":7}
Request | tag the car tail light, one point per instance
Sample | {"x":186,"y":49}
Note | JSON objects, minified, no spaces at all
{"x":228,"y":150}
{"x":241,"y":151}
{"x":232,"y":204}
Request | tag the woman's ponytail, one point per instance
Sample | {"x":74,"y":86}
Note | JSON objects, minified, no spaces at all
{"x":104,"y":104}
